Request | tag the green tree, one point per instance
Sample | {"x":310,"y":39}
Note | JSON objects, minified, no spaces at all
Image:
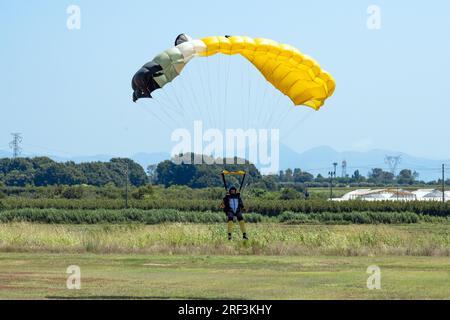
{"x":58,"y":174}
{"x":143,"y":192}
{"x":73,"y":192}
{"x":379,"y":176}
{"x":302,"y":176}
{"x":406,"y":176}
{"x":16,"y":178}
{"x":289,"y":194}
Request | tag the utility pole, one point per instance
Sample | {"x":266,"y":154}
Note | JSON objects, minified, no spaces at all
{"x":15,"y":144}
{"x":332,"y":174}
{"x":443,"y":183}
{"x":126,"y":185}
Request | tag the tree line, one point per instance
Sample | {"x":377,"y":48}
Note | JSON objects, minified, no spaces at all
{"x":376,"y":176}
{"x":43,"y":171}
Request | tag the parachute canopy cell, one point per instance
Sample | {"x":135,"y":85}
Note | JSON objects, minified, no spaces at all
{"x":296,"y":75}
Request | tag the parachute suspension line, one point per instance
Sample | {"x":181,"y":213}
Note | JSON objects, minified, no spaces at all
{"x":177,"y":100}
{"x":242,"y":88}
{"x":171,"y":105}
{"x":273,"y":109}
{"x":201,"y":92}
{"x":154,"y":115}
{"x":279,"y":120}
{"x":248,"y":98}
{"x":254,"y":98}
{"x":268,"y":109}
{"x":197,"y":107}
{"x":286,"y":110}
{"x":168,"y":101}
{"x":209,"y":90}
{"x":262,"y":105}
{"x":205,"y":94}
{"x":302,"y":119}
{"x":255,"y":105}
{"x":164,"y":111}
{"x":226,"y":67}
{"x":191,"y":99}
{"x":227,"y":79}
{"x":270,"y":119}
{"x":218,"y":107}
{"x":279,"y":107}
{"x":205,"y":65}
{"x":223,"y":119}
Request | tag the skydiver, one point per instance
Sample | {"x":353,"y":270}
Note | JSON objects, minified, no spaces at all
{"x":233,"y":206}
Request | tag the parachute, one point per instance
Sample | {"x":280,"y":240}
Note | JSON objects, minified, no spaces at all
{"x":296,"y":75}
{"x":241,"y":173}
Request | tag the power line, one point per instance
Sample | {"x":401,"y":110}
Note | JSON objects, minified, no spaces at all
{"x":15,"y":144}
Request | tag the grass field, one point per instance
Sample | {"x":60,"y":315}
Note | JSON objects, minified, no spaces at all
{"x":43,"y":276}
{"x":194,"y":261}
{"x":423,"y":239}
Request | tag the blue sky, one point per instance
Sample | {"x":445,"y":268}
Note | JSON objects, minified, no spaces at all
{"x":69,"y":93}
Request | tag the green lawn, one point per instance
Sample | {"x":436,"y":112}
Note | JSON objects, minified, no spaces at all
{"x":43,"y":276}
{"x":171,"y":261}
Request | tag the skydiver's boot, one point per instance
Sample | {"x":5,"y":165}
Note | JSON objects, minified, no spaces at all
{"x":243,"y":229}
{"x":230,"y":229}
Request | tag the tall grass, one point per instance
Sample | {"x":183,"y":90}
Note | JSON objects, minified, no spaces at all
{"x":265,"y":239}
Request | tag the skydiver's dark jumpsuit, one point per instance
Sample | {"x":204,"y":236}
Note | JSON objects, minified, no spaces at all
{"x":233,"y":206}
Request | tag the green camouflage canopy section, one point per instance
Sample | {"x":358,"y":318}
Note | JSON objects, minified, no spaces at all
{"x":165,"y":67}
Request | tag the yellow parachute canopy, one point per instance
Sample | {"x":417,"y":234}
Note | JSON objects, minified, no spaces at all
{"x":296,"y":75}
{"x":240,"y":172}
{"x":287,"y":69}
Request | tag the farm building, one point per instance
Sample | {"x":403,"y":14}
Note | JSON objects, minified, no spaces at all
{"x":394,"y":195}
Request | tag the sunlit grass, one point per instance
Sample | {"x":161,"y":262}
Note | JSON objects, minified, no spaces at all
{"x":136,"y":276}
{"x":265,"y":239}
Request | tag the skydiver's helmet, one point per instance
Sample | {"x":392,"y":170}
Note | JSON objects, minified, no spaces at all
{"x":232,"y":188}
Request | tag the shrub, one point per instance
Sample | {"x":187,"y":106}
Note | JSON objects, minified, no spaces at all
{"x":353,"y":217}
{"x":73,"y":192}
